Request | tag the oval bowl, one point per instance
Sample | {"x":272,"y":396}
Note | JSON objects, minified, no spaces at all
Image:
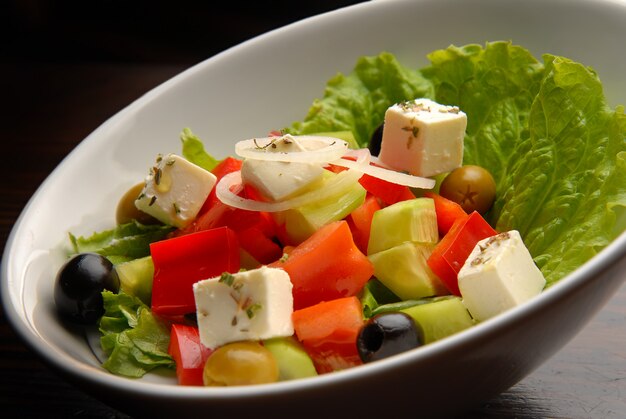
{"x":268,"y":82}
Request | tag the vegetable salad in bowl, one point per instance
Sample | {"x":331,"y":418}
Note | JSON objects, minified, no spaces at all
{"x":407,"y":206}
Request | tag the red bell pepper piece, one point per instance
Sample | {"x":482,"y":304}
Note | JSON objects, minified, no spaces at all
{"x":450,"y":253}
{"x":360,"y":221}
{"x":189,"y":354}
{"x":255,"y":229}
{"x":389,"y":193}
{"x":447,"y":212}
{"x":326,"y":266}
{"x":328,"y":332}
{"x":226,"y":166}
{"x":180,"y":262}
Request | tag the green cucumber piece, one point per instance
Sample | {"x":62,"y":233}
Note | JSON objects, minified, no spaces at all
{"x":136,"y":278}
{"x":293,"y":361}
{"x":413,"y":220}
{"x":403,"y":269}
{"x":440,"y":318}
{"x":403,"y":305}
{"x":300,"y":223}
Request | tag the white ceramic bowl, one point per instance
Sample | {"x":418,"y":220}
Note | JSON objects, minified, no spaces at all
{"x":269,"y":82}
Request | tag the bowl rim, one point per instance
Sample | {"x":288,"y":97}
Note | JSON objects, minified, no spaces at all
{"x":64,"y":363}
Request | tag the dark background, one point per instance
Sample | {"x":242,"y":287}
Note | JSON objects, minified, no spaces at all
{"x":68,"y":66}
{"x":181,"y":31}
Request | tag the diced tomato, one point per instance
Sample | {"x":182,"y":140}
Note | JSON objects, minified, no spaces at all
{"x":360,"y":221}
{"x":326,"y":266}
{"x":189,"y":354}
{"x":180,"y":262}
{"x":447,"y":212}
{"x":450,"y":253}
{"x":328,"y":331}
{"x":226,"y":166}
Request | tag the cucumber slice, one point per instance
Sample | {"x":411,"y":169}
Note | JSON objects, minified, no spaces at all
{"x":136,"y":278}
{"x":413,"y":220}
{"x":403,"y":269}
{"x":293,"y":361}
{"x":440,"y":318}
{"x":300,"y":223}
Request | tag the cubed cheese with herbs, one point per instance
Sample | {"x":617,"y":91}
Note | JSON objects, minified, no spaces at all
{"x":498,"y":275}
{"x":278,"y":180}
{"x":175,"y":190}
{"x":249,"y":305}
{"x":423,"y":138}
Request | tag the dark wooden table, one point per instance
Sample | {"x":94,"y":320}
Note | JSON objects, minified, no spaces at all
{"x":49,"y":108}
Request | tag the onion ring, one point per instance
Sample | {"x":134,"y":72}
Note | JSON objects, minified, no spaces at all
{"x":388,"y":175}
{"x":338,"y":184}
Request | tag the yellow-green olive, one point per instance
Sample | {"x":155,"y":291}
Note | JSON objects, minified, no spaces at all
{"x":470,"y":186}
{"x":127,"y":211}
{"x":240,"y":363}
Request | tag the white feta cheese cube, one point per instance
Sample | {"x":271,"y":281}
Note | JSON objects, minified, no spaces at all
{"x":278,"y":180}
{"x":423,"y":138}
{"x":249,"y":305}
{"x":175,"y":190}
{"x":498,"y":275}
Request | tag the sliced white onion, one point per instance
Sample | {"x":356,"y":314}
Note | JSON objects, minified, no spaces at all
{"x":323,"y":150}
{"x":389,"y":175}
{"x":339,"y":183}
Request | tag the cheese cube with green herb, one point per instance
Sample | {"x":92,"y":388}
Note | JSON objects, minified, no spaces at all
{"x":498,"y":275}
{"x":249,"y":305}
{"x":423,"y":138}
{"x":278,"y":180}
{"x":175,"y":190}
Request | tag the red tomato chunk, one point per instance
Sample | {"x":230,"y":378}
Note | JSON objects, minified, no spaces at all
{"x":326,"y":266}
{"x":328,"y":332}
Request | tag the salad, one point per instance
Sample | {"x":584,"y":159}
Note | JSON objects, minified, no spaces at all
{"x":408,"y":205}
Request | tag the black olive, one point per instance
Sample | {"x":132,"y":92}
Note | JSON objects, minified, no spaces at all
{"x":387,"y":334}
{"x":376,"y":141}
{"x":79,"y":285}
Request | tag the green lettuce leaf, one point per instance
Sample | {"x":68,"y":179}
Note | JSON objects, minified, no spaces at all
{"x":566,"y":190}
{"x":134,"y":340}
{"x":495,"y":87}
{"x":554,"y":147}
{"x":123,"y":243}
{"x":357,"y":102}
{"x":193,"y":150}
{"x":543,"y":129}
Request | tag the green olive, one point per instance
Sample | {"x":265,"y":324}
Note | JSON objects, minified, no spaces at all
{"x":240,"y":363}
{"x":127,"y":211}
{"x":472,"y":187}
